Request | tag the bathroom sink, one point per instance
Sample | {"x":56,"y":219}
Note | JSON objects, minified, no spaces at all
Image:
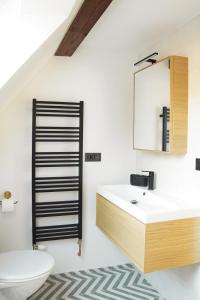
{"x":148,"y":206}
{"x":154,"y":230}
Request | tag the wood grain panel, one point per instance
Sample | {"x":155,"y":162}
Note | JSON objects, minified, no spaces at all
{"x":178,"y":104}
{"x":172,"y":244}
{"x":88,"y":15}
{"x":122,"y":229}
{"x":151,"y":247}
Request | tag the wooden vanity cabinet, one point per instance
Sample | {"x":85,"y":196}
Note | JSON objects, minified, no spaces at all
{"x":152,"y":246}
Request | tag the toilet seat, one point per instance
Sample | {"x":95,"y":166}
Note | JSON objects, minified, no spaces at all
{"x":16,"y":266}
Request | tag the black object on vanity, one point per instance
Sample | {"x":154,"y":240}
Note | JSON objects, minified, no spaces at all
{"x":143,"y":180}
{"x":138,"y":180}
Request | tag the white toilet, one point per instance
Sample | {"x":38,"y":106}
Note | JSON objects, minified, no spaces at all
{"x":23,"y":272}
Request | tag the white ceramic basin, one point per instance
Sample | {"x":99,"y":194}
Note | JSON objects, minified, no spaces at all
{"x":151,"y":207}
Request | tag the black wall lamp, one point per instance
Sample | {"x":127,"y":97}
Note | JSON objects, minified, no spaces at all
{"x":148,"y":58}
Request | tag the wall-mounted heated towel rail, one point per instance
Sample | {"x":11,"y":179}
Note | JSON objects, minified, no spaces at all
{"x":165,"y":131}
{"x":70,"y":138}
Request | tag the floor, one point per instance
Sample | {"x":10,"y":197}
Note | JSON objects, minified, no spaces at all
{"x":111,"y":283}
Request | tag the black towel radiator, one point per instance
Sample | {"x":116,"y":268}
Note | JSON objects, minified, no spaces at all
{"x":51,"y":159}
{"x":165,"y":131}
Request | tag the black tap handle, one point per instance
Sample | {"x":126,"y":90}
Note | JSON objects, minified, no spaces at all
{"x":150,"y":179}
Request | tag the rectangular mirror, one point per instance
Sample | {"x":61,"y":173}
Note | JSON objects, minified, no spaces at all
{"x":161,"y":106}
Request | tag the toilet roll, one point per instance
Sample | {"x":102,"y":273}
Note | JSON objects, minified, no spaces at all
{"x":7,"y":205}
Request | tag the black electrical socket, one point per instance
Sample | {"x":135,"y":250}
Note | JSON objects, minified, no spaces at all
{"x":92,"y":156}
{"x":198,"y":164}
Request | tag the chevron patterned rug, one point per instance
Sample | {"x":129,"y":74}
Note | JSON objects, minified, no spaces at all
{"x":122,"y":282}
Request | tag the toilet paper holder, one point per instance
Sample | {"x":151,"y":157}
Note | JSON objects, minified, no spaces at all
{"x":7,"y":195}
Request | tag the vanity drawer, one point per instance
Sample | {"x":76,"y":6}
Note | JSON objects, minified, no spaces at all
{"x":153,"y":246}
{"x":125,"y":231}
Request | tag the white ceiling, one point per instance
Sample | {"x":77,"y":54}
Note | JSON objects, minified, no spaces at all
{"x":36,"y":33}
{"x":45,"y":8}
{"x":136,"y":24}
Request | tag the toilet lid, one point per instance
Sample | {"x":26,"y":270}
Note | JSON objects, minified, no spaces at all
{"x":24,"y":264}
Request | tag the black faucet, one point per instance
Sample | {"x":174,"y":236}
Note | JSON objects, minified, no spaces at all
{"x":150,"y":180}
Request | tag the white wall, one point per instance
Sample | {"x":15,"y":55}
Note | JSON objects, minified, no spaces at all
{"x":176,"y":173}
{"x":104,"y":82}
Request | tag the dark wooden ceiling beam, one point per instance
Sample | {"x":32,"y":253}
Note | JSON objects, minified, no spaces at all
{"x":88,"y":15}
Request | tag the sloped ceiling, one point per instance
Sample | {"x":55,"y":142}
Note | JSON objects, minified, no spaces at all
{"x":34,"y":7}
{"x":129,"y":25}
{"x":22,"y":56}
{"x":135,"y":24}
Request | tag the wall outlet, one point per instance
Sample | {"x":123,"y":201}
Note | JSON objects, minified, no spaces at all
{"x":197,"y":164}
{"x":92,"y":156}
